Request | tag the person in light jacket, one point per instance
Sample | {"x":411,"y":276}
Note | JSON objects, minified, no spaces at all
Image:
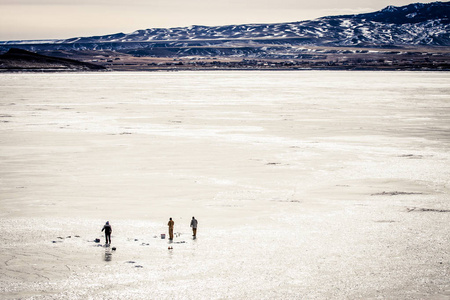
{"x":194,"y":223}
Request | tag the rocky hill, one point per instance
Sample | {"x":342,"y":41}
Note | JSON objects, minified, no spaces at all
{"x":22,"y":60}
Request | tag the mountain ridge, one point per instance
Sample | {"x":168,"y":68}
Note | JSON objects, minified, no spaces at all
{"x":421,"y":24}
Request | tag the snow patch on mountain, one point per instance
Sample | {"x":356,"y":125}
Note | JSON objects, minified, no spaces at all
{"x":414,"y":24}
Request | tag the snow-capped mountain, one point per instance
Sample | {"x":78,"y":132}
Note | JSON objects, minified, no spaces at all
{"x":414,"y":24}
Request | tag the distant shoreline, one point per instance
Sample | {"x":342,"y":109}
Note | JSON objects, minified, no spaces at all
{"x":6,"y":71}
{"x":349,"y":59}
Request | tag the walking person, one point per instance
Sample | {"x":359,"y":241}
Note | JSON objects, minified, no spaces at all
{"x":194,"y":223}
{"x":170,"y":224}
{"x":108,"y":229}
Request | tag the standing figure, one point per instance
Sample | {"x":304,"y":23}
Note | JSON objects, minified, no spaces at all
{"x":171,"y":223}
{"x":194,"y":223}
{"x":107,"y":228}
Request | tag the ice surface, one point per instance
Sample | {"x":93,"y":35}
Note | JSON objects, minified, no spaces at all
{"x":311,"y":185}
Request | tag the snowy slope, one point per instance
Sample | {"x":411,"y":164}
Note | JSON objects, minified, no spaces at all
{"x":414,"y":24}
{"x":417,"y":24}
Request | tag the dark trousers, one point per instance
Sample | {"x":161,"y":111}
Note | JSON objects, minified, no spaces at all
{"x":108,"y":237}
{"x":194,"y":231}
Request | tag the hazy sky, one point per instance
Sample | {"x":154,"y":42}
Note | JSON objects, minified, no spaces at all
{"x":48,"y":19}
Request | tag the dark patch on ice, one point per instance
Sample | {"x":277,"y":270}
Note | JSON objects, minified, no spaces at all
{"x":133,"y":262}
{"x":289,"y":201}
{"x":123,"y":133}
{"x":411,"y":156}
{"x":384,"y":221}
{"x":5,"y":116}
{"x":273,"y":164}
{"x":395,"y":193}
{"x":418,"y":209}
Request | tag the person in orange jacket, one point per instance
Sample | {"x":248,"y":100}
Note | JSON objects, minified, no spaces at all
{"x":170,"y":224}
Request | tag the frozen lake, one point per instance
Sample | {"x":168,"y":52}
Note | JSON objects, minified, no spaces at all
{"x":306,"y":185}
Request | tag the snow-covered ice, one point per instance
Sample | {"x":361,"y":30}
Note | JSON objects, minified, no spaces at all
{"x":306,"y":185}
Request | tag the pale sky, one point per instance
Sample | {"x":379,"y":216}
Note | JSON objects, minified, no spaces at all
{"x":55,"y":19}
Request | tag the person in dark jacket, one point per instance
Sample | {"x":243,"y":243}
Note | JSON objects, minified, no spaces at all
{"x":194,"y":223}
{"x":107,"y":228}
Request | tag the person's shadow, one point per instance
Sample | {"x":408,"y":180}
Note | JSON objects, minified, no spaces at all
{"x":108,"y":254}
